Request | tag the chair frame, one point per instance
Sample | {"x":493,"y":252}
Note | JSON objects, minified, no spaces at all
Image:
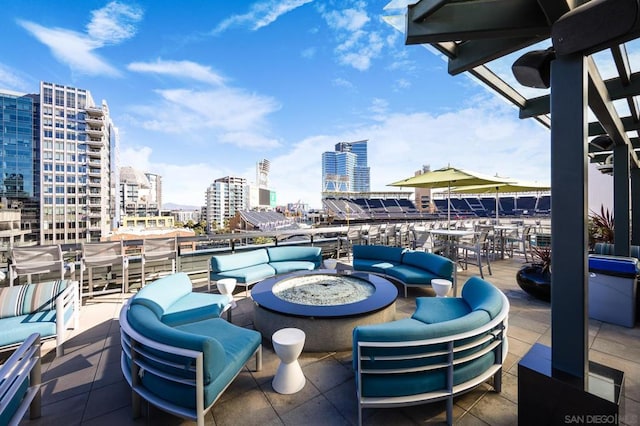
{"x":27,"y":261}
{"x":495,"y":339}
{"x":92,"y":260}
{"x":24,"y":363}
{"x":139,"y":349}
{"x":158,"y":250}
{"x":479,"y":245}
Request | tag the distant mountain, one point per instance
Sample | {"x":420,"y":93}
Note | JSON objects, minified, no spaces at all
{"x":173,"y":206}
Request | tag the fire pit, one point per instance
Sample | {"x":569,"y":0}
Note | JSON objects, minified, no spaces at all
{"x":325,"y":304}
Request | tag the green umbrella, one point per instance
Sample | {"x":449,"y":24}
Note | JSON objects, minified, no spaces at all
{"x":448,"y":177}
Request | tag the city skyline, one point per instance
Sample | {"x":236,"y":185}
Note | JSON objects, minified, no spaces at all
{"x":223,"y":84}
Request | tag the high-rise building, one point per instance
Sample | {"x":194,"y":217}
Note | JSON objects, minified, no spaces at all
{"x":346,"y":169}
{"x":77,"y":144}
{"x":17,"y":171}
{"x":223,"y":198}
{"x":139,"y":192}
{"x":259,"y":195}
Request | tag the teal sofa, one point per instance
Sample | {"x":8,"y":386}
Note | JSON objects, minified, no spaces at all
{"x":447,"y":347}
{"x":608,"y":249}
{"x":177,"y":353}
{"x":20,"y":381}
{"x":409,"y":267}
{"x":252,"y":266}
{"x":48,"y":308}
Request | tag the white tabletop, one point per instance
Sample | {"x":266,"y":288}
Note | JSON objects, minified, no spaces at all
{"x":452,"y":232}
{"x":288,"y":336}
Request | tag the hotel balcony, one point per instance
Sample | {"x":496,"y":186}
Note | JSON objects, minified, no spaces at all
{"x":94,"y":111}
{"x":95,"y":122}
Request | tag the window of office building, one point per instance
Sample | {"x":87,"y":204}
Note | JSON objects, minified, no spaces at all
{"x":47,"y":95}
{"x":59,"y":97}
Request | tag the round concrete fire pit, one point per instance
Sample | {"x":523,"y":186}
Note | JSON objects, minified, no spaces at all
{"x":325,"y":304}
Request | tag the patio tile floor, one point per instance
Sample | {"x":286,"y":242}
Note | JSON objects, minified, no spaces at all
{"x":85,"y":386}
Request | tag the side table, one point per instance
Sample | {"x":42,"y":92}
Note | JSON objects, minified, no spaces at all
{"x":288,"y":344}
{"x":441,"y":287}
{"x":226,"y":287}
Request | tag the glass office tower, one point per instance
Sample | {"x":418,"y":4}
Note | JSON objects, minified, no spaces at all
{"x":17,"y":172}
{"x":346,"y":169}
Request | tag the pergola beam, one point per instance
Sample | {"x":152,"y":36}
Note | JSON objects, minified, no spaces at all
{"x":473,"y":53}
{"x":615,"y":87}
{"x":425,"y":8}
{"x":491,"y":80}
{"x":606,"y":113}
{"x":476,"y":20}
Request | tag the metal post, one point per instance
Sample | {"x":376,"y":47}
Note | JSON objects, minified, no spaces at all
{"x":621,"y":188}
{"x":635,"y":207}
{"x":569,"y":323}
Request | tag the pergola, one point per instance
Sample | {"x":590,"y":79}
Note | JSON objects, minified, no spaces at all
{"x":558,"y":45}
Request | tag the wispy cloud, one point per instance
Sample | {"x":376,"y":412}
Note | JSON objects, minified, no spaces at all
{"x":110,"y":25}
{"x":114,"y":23}
{"x":260,"y":15}
{"x":181,"y":69}
{"x":357,"y":45}
{"x":228,"y":115}
{"x":11,"y":80}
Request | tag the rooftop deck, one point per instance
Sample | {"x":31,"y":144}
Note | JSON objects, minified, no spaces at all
{"x":86,"y":387}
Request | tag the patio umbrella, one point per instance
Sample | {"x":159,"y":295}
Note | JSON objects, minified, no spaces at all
{"x":448,"y":177}
{"x":501,"y":188}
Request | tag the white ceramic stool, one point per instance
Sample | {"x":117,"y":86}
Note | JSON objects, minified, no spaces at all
{"x":441,"y":287}
{"x":226,"y":287}
{"x":288,"y":344}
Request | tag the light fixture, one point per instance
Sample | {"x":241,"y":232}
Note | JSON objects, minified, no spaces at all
{"x":533,"y":69}
{"x":602,"y":142}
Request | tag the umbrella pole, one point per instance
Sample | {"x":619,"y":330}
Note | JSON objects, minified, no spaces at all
{"x":497,"y":207}
{"x":449,"y":207}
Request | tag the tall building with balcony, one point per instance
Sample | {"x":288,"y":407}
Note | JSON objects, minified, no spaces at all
{"x":223,"y":198}
{"x":346,"y":169}
{"x":77,"y":144}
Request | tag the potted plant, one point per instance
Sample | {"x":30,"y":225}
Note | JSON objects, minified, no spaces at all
{"x":601,"y":227}
{"x":535,"y":277}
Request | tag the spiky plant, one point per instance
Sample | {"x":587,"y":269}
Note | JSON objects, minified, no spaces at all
{"x":542,"y":256}
{"x":601,"y":226}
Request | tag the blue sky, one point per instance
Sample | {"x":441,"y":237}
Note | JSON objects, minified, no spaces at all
{"x":205,"y":89}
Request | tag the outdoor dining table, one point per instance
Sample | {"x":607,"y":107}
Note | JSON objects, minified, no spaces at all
{"x":500,"y":233}
{"x":453,"y":237}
